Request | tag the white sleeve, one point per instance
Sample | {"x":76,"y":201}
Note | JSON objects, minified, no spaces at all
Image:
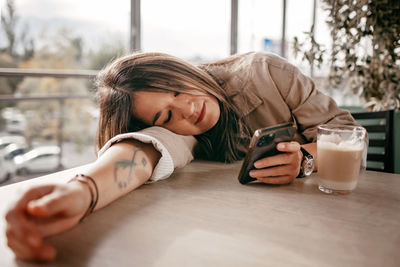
{"x":176,"y":150}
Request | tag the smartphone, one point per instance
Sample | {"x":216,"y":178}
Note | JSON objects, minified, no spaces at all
{"x":262,"y":145}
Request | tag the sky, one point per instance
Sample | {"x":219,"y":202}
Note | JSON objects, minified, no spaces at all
{"x":185,"y":28}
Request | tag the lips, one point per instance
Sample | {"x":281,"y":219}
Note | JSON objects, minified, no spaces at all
{"x":202,"y":114}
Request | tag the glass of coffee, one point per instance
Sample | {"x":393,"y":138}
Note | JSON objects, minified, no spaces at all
{"x":342,"y":155}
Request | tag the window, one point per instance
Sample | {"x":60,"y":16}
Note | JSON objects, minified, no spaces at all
{"x":69,"y":34}
{"x":260,"y":25}
{"x":192,"y":30}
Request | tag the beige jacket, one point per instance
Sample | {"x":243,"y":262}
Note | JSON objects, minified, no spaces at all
{"x":271,"y":91}
{"x":268,"y":89}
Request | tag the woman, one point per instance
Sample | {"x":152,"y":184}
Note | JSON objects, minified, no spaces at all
{"x":157,"y":113}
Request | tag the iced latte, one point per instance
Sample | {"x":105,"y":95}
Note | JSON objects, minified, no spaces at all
{"x":341,"y":156}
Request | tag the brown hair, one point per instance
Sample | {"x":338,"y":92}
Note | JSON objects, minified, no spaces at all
{"x":162,"y":72}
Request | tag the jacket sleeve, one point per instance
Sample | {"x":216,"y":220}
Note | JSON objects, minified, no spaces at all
{"x":176,"y":150}
{"x":309,"y":106}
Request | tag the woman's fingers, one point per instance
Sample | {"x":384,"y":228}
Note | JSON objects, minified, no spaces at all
{"x":277,"y":180}
{"x":22,"y":235}
{"x":291,"y":148}
{"x":43,"y":211}
{"x":44,"y":252}
{"x":27,"y":242}
{"x":18,"y":227}
{"x":66,"y":200}
{"x":30,"y":194}
{"x":60,"y":210}
{"x":279,"y":169}
{"x":276,"y":175}
{"x":56,"y":225}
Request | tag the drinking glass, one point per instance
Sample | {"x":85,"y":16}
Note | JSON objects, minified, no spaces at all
{"x":342,"y":156}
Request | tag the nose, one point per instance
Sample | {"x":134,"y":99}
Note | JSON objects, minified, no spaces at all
{"x":184,"y":107}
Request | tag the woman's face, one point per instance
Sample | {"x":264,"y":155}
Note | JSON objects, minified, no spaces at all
{"x":181,"y":113}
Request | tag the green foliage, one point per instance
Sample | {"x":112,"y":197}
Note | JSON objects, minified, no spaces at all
{"x":9,"y":22}
{"x":9,"y":58}
{"x":8,"y":85}
{"x":313,"y":53}
{"x":62,"y":50}
{"x":365,"y":52}
{"x":105,"y":54}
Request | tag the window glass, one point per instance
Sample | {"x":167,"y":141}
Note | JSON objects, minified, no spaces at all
{"x":260,"y":25}
{"x":193,"y":30}
{"x":322,"y":36}
{"x":67,"y":34}
{"x":299,"y":16}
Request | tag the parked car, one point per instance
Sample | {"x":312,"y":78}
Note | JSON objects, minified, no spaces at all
{"x":40,"y":159}
{"x":7,"y":155}
{"x":12,"y":150}
{"x":12,"y":139}
{"x":5,"y":173}
{"x":16,"y":124}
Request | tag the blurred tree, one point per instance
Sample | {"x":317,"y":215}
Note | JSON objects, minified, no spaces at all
{"x":15,"y":41}
{"x":365,"y":52}
{"x":7,"y":85}
{"x":9,"y":57}
{"x":28,"y":45}
{"x":60,"y":50}
{"x":8,"y":23}
{"x":106,"y":52}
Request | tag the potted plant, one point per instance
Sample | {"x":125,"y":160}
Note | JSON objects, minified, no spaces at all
{"x":365,"y":53}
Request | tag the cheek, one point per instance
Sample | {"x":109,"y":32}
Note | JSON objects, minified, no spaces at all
{"x":143,"y":116}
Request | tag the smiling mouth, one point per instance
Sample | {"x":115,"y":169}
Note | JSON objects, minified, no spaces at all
{"x":202,"y":114}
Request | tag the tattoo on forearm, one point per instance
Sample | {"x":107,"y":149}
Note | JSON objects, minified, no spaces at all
{"x":144,"y":162}
{"x":122,"y":176}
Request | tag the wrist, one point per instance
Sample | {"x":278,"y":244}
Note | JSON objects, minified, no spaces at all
{"x":306,"y":164}
{"x":90,"y":186}
{"x":84,"y":192}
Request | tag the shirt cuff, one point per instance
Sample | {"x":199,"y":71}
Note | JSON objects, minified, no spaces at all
{"x":165,"y":165}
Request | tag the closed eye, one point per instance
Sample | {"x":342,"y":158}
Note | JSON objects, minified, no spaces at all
{"x":157,"y":116}
{"x":169,"y":117}
{"x":169,"y":111}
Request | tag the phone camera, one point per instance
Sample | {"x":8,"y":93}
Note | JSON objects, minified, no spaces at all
{"x":266,"y":139}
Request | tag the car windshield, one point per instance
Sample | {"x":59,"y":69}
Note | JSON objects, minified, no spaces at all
{"x":4,"y":145}
{"x":30,"y":155}
{"x":10,"y":148}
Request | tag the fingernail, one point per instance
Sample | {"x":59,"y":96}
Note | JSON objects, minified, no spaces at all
{"x":251,"y":174}
{"x":256,"y":164}
{"x":281,"y":146}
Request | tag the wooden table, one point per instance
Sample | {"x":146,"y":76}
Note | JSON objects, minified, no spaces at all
{"x":202,"y":216}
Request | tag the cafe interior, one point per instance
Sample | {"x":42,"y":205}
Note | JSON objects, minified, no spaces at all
{"x":340,"y":204}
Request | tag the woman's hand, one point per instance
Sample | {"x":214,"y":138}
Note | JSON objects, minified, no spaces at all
{"x":44,"y":211}
{"x":279,"y":169}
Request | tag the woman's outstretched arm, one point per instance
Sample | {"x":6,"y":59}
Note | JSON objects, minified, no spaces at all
{"x":47,"y":210}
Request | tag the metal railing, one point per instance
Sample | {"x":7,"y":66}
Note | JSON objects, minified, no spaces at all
{"x":40,"y":73}
{"x":12,"y":72}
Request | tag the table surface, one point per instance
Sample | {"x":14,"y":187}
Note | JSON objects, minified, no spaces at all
{"x":202,"y":216}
